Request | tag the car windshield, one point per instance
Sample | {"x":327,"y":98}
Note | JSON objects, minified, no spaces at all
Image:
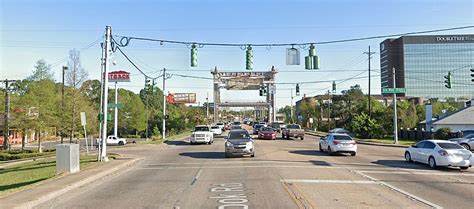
{"x":258,"y":126}
{"x":236,"y":123}
{"x":267,"y":129}
{"x":201,"y":128}
{"x":219,"y":124}
{"x":293,"y":126}
{"x":215,"y":127}
{"x":449,"y":146}
{"x":235,"y":127}
{"x":237,"y":135}
{"x":342,"y":138}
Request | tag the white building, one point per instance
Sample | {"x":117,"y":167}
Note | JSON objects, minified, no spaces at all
{"x":457,"y":121}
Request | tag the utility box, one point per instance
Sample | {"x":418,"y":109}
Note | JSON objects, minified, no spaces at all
{"x":67,"y":158}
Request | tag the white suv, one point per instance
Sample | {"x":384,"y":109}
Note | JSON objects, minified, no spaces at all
{"x":202,"y":134}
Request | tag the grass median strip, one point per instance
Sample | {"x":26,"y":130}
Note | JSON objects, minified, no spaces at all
{"x":21,"y":175}
{"x":169,"y":138}
{"x":390,"y":141}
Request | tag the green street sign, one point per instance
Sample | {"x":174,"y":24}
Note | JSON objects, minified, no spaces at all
{"x":394,"y":90}
{"x":100,"y":117}
{"x":115,"y":105}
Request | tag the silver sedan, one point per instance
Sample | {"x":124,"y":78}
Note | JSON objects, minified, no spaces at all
{"x":467,"y":143}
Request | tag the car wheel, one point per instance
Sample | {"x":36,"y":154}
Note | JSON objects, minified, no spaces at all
{"x":330,"y":151}
{"x":466,"y":146}
{"x":120,"y":143}
{"x":432,"y":162}
{"x":227,"y":155}
{"x":353,"y":153}
{"x":320,"y":148}
{"x":253,"y":155}
{"x":302,"y":138}
{"x":464,"y":167}
{"x":408,"y":157}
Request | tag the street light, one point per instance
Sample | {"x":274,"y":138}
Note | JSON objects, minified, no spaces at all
{"x":62,"y":106}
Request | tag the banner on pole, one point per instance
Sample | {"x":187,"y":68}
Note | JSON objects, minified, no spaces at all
{"x":83,"y":118}
{"x":119,"y":76}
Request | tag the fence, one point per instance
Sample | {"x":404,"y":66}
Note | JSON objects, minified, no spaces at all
{"x":418,"y":135}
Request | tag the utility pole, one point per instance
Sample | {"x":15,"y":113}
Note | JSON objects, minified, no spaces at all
{"x":6,"y":131}
{"x":164,"y":104}
{"x":105,"y":91}
{"x":395,"y":121}
{"x":146,"y":108}
{"x":369,"y":53}
{"x":62,"y":106}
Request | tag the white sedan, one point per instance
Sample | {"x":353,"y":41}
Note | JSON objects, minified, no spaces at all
{"x":338,"y":143}
{"x":439,"y":153}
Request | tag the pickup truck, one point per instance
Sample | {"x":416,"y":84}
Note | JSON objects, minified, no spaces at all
{"x":292,"y":130}
{"x":113,"y":140}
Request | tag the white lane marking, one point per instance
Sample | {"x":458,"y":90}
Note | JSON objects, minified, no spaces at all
{"x":419,"y":173}
{"x":433,"y":205}
{"x":198,"y":174}
{"x":196,"y":177}
{"x":319,"y":181}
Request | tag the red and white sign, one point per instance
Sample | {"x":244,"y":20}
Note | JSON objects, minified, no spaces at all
{"x":181,"y":98}
{"x":119,"y":76}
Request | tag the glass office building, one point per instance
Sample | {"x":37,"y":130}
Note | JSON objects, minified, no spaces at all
{"x":421,"y":62}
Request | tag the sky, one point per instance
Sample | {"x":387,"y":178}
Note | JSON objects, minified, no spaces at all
{"x":48,"y":29}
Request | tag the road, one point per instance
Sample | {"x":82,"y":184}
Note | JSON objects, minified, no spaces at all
{"x":284,"y":174}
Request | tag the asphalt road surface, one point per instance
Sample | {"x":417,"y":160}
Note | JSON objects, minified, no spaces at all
{"x":283,"y":174}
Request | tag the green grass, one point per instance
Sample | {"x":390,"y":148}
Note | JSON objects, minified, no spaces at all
{"x":22,"y":175}
{"x":390,"y":141}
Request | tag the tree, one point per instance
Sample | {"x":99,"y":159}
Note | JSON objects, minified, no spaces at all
{"x":42,"y":71}
{"x":40,"y":110}
{"x":75,"y":76}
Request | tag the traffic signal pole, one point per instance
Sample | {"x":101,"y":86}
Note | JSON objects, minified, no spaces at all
{"x":395,"y":120}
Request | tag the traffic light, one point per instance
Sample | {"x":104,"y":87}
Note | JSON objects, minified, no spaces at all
{"x":205,"y":105}
{"x":334,"y":87}
{"x":193,"y":55}
{"x":311,"y":62}
{"x":297,"y":89}
{"x":249,"y":58}
{"x":448,"y":80}
{"x":472,"y":74}
{"x":261,"y":91}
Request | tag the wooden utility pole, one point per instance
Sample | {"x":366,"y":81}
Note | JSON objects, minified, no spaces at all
{"x":6,"y":131}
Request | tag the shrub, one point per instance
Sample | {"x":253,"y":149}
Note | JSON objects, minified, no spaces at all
{"x":19,"y":154}
{"x":443,"y":133}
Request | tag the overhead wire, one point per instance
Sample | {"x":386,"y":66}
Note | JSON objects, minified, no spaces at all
{"x":124,"y":41}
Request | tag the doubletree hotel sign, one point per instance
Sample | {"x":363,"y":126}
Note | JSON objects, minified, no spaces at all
{"x":119,"y":76}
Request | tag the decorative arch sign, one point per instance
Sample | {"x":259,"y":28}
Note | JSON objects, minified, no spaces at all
{"x":119,"y":76}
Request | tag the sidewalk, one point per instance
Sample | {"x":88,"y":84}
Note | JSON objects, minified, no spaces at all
{"x":57,"y":186}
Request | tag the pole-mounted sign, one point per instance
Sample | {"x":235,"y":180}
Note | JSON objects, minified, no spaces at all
{"x":119,"y":76}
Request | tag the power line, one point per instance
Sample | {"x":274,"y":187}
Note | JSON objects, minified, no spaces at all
{"x":124,"y":40}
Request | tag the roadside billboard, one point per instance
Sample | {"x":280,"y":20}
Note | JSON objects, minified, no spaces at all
{"x":181,"y":98}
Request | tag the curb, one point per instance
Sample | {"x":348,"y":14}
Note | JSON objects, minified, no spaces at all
{"x":57,"y":193}
{"x":382,"y":145}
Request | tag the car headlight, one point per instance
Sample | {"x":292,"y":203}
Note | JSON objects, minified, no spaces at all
{"x":228,"y":144}
{"x":249,"y":144}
